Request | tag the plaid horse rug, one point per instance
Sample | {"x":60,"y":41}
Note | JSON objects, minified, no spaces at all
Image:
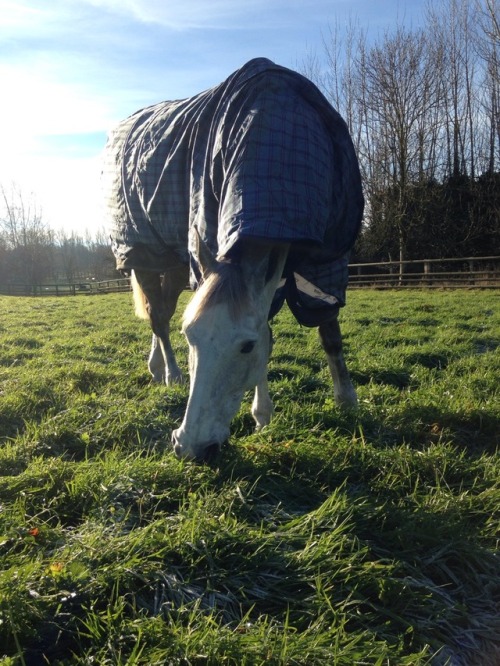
{"x":263,"y":155}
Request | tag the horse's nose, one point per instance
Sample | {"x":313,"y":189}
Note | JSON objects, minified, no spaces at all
{"x":211,"y":452}
{"x":205,"y":453}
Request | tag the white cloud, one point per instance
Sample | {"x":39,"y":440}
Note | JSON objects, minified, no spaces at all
{"x":36,"y":104}
{"x":16,"y":14}
{"x":188,"y":14}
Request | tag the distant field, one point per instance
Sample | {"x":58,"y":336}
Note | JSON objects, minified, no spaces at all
{"x":329,"y":538}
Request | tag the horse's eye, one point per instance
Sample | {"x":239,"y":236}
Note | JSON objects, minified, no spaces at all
{"x":247,"y":347}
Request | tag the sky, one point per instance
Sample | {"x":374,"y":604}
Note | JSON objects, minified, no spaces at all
{"x":71,"y":69}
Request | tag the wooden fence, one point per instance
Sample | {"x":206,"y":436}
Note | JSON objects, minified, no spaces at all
{"x":65,"y":289}
{"x":468,"y":273}
{"x":465,"y":273}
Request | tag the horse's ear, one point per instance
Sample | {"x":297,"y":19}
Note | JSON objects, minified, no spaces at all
{"x":206,"y":260}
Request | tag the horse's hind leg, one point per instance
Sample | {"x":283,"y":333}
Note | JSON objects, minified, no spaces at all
{"x":160,"y":300}
{"x":331,"y":340}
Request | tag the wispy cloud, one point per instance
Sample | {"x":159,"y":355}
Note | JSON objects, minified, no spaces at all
{"x":16,"y":14}
{"x":200,"y":14}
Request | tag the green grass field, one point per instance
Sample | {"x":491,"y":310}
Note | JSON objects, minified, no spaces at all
{"x":328,"y":538}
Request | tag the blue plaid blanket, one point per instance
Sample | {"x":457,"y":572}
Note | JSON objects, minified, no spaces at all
{"x":262,"y":155}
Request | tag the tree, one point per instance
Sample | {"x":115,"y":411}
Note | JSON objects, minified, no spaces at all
{"x":398,"y":93}
{"x":26,"y":237}
{"x":423,"y":108}
{"x":101,"y":260}
{"x":69,"y":254}
{"x":488,"y":44}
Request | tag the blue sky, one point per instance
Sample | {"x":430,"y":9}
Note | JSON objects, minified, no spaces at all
{"x":70,"y":69}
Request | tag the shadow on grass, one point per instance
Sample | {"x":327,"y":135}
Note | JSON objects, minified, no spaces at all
{"x":417,"y":426}
{"x":397,"y":377}
{"x":429,"y":360}
{"x":475,"y":431}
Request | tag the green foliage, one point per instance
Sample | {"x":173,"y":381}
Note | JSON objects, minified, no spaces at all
{"x":464,"y":220}
{"x":328,"y":538}
{"x":454,"y":218}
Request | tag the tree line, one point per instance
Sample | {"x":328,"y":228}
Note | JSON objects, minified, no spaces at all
{"x":423,"y":108}
{"x":31,"y":253}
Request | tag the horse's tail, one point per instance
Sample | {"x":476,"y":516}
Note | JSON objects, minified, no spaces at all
{"x":140,"y":301}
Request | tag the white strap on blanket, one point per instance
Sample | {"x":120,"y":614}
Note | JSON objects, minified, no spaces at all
{"x":310,"y":289}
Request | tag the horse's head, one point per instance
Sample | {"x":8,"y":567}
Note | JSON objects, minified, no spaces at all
{"x":229,"y":343}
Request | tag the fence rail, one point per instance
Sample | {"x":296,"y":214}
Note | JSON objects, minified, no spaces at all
{"x":61,"y":289}
{"x":465,"y":273}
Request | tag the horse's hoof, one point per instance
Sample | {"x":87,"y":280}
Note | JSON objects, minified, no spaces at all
{"x":173,"y":380}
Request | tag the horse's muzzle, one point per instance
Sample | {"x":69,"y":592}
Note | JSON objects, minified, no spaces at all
{"x":203,"y":453}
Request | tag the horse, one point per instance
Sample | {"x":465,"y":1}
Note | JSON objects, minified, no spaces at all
{"x":250,"y":191}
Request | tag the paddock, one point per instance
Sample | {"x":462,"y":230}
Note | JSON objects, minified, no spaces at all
{"x":367,"y":536}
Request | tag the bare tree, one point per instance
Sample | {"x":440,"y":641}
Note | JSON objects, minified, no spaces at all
{"x":26,"y":236}
{"x":102,"y":263}
{"x":69,"y":254}
{"x":452,"y":26}
{"x":423,"y":108}
{"x":489,"y":13}
{"x":488,"y":44}
{"x":398,"y":86}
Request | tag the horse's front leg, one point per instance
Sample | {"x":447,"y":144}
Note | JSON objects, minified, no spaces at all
{"x":331,"y":340}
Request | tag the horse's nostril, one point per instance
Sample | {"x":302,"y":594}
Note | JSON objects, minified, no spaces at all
{"x":211,"y":452}
{"x":207,"y":454}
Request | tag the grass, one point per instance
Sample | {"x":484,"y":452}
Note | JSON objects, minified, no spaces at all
{"x":329,"y":538}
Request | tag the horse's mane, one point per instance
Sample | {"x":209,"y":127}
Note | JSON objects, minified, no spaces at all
{"x":225,"y":285}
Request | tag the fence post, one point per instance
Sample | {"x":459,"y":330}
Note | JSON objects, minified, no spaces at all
{"x":471,"y":271}
{"x":427,"y":272}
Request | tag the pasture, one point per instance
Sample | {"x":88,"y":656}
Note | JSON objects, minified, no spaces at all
{"x":328,"y":538}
